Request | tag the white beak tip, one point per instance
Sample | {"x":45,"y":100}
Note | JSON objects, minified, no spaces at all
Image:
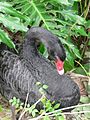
{"x":61,"y":72}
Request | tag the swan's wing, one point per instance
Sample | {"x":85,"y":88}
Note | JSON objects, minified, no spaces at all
{"x":15,"y":78}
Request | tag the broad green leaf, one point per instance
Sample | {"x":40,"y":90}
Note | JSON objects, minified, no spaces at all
{"x":5,"y":4}
{"x":25,"y":7}
{"x":80,"y":70}
{"x":72,"y":47}
{"x":35,"y":7}
{"x":13,"y":23}
{"x":70,"y":59}
{"x":7,"y":9}
{"x":76,"y":52}
{"x":70,"y":15}
{"x":80,"y":20}
{"x":81,"y":31}
{"x":65,"y":2}
{"x":87,"y":24}
{"x":5,"y":39}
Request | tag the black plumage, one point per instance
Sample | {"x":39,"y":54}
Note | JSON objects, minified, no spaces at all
{"x":19,"y":73}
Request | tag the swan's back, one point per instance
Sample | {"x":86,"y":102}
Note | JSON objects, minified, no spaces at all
{"x":18,"y":77}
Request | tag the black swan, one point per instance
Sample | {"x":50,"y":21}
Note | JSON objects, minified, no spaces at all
{"x":19,"y":73}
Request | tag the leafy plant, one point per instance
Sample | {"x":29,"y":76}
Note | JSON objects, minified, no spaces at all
{"x":48,"y":106}
{"x":11,"y":19}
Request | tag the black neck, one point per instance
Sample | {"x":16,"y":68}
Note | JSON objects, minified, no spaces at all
{"x":47,"y":38}
{"x":29,"y":46}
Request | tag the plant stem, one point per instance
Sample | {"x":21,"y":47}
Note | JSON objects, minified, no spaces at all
{"x":22,"y":114}
{"x":82,"y":67}
{"x":36,"y":9}
{"x":84,"y":48}
{"x":67,"y":108}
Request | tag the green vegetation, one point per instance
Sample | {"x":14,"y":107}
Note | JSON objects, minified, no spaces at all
{"x":48,"y":106}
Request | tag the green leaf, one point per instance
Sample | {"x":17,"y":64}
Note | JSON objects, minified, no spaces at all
{"x":87,"y":25}
{"x":80,"y":69}
{"x":65,"y":2}
{"x":85,"y":99}
{"x":76,"y":52}
{"x":43,"y":50}
{"x":87,"y":108}
{"x":70,"y":58}
{"x":13,"y":23}
{"x":38,"y":83}
{"x":45,"y":86}
{"x":5,"y":39}
{"x":45,"y":54}
{"x":43,"y":100}
{"x":48,"y":104}
{"x":13,"y":103}
{"x":17,"y":105}
{"x":8,"y":9}
{"x":18,"y":100}
{"x":59,"y":118}
{"x":81,"y":31}
{"x":57,"y":106}
{"x":89,"y":37}
{"x":15,"y":99}
{"x":46,"y":118}
{"x":39,"y":12}
{"x":31,"y":108}
{"x":34,"y":112}
{"x":41,"y":90}
{"x":5,"y":4}
{"x":11,"y":100}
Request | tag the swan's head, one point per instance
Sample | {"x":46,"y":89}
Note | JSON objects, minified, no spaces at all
{"x":58,"y":55}
{"x":53,"y":45}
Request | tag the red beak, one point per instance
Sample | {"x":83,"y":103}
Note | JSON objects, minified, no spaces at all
{"x":59,"y":65}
